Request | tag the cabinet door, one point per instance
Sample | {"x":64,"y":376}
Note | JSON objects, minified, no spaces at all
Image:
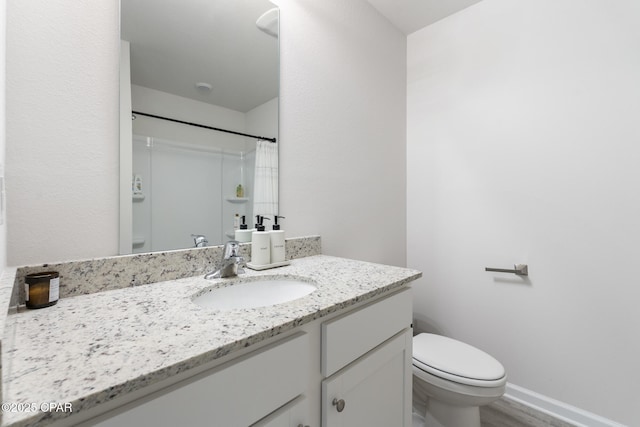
{"x":373,"y":391}
{"x":293,"y":414}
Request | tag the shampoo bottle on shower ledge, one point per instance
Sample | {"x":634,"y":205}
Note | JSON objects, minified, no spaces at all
{"x":277,"y":242}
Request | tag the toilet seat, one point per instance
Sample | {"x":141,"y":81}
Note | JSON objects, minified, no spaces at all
{"x":456,"y":361}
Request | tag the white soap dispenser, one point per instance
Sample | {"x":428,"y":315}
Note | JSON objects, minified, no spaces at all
{"x":260,"y":245}
{"x":277,"y":242}
{"x":243,"y":235}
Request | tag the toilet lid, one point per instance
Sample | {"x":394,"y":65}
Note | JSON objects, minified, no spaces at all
{"x":456,"y":361}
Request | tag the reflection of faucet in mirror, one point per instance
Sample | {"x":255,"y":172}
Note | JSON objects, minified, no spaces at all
{"x":200,"y":240}
{"x":231,"y":262}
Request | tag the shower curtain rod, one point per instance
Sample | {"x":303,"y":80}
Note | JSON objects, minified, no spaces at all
{"x":202,"y":126}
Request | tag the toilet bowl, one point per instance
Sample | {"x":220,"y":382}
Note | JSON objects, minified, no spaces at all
{"x":451,"y":380}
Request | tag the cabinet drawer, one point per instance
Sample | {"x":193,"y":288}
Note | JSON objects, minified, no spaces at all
{"x":348,"y":337}
{"x":235,"y":394}
{"x":293,"y":414}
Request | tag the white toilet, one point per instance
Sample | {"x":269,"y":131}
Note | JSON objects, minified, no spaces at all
{"x":451,"y":380}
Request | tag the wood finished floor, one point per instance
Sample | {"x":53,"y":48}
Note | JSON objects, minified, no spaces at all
{"x":507,"y":413}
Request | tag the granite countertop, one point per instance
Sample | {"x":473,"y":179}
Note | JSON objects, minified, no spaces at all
{"x":89,"y":349}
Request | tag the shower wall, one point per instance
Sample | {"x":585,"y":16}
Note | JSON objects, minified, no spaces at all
{"x":183,"y":193}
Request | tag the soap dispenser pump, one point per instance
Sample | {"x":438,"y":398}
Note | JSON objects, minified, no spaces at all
{"x":277,"y":242}
{"x":260,"y":244}
{"x":260,"y":222}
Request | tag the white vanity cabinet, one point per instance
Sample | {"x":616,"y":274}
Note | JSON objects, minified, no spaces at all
{"x":238,"y":393}
{"x":367,"y":358}
{"x":357,"y":357}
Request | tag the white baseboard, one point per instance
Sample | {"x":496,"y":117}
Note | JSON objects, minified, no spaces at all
{"x":557,"y":409}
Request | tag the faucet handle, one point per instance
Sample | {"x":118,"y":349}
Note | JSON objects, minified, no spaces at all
{"x":240,"y":261}
{"x":200,"y":240}
{"x":231,"y":249}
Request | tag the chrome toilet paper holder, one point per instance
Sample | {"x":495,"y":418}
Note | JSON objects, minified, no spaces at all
{"x":518,"y":269}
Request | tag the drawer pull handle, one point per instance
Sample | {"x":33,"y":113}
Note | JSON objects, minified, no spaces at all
{"x":339,"y":404}
{"x":300,"y":425}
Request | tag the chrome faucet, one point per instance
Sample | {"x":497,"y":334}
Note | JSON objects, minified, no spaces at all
{"x":200,"y":240}
{"x":231,"y":262}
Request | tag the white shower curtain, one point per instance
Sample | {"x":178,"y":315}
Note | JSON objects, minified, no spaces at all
{"x":265,"y":196}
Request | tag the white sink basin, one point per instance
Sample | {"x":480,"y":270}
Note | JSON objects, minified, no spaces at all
{"x":256,"y":293}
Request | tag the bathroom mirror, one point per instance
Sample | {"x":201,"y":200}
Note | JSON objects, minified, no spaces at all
{"x":199,"y":83}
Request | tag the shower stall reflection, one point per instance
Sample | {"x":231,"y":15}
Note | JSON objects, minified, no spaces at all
{"x":178,"y":189}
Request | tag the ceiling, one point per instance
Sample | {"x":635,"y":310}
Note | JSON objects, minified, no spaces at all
{"x":412,"y":15}
{"x":177,"y":43}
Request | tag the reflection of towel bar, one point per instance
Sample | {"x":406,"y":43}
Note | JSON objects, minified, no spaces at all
{"x":519,"y":269}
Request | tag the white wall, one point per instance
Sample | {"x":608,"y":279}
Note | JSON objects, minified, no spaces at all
{"x":62,"y":130}
{"x":3,"y":223}
{"x":125,"y":148}
{"x":523,"y":147}
{"x":342,"y":134}
{"x":176,"y":107}
{"x":263,"y":120}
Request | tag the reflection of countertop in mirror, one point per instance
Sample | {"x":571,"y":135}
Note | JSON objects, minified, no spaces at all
{"x":90,"y":349}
